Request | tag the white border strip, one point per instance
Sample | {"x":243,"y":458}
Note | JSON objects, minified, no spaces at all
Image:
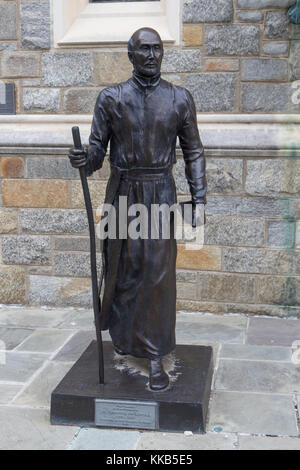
{"x":201,"y":118}
{"x":257,"y":132}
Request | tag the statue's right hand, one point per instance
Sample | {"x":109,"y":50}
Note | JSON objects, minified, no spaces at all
{"x":78,"y":157}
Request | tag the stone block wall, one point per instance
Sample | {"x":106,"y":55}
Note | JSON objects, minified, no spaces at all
{"x":235,"y":56}
{"x":250,"y":262}
{"x":44,"y":231}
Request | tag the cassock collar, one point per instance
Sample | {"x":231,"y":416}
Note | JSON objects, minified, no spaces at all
{"x":146,"y":82}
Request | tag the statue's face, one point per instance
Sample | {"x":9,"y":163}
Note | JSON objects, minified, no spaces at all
{"x":147,"y":54}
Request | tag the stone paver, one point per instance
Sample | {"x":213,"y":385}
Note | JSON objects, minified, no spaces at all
{"x":75,"y":347}
{"x":19,"y":367}
{"x":209,"y":328}
{"x":104,"y":439}
{"x":33,"y":317}
{"x":12,"y":337}
{"x":175,"y":441}
{"x":268,"y":443}
{"x":45,"y":341}
{"x":258,"y":376}
{"x":78,"y":320}
{"x":273,"y":331}
{"x":8,"y":392}
{"x":253,"y":413}
{"x":82,"y":320}
{"x":28,"y":429}
{"x":38,"y":393}
{"x":253,"y":396}
{"x":258,"y":353}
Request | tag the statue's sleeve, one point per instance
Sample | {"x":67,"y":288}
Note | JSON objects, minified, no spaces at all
{"x":193,"y":151}
{"x":100,"y":135}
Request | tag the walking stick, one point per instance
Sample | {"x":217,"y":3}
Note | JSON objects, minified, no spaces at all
{"x":96,"y":297}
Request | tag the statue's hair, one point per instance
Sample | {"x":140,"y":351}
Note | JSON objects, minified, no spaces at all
{"x":132,"y":40}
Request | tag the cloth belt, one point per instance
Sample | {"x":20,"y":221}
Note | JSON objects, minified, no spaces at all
{"x":145,"y":174}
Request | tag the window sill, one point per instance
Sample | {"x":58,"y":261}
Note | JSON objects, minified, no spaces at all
{"x":80,"y":23}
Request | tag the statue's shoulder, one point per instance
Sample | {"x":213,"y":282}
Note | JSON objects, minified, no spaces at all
{"x":110,"y":94}
{"x":181,"y":94}
{"x":182,"y":97}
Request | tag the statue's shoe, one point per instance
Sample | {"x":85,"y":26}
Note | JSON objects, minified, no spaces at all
{"x":120,"y":352}
{"x":158,"y":378}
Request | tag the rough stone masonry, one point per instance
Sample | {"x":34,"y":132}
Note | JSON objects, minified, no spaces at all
{"x":237,"y":45}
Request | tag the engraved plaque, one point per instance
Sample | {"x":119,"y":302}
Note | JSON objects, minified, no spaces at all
{"x":126,"y":414}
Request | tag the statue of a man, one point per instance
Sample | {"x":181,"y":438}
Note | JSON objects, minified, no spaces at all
{"x":142,"y":118}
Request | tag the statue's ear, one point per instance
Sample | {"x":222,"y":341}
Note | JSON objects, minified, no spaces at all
{"x":130,"y":55}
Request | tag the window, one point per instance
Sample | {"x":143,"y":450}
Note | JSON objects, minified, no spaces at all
{"x":82,"y":22}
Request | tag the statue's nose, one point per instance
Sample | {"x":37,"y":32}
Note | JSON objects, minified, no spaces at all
{"x":151,"y":52}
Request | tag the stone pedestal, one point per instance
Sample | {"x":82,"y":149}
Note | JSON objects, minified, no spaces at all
{"x":125,"y":401}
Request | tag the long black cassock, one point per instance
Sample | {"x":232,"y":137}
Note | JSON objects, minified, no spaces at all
{"x":142,"y":120}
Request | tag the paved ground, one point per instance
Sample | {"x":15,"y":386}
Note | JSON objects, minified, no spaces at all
{"x":256,"y":393}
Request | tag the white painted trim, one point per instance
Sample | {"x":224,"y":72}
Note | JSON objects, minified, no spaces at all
{"x":80,"y":23}
{"x":64,"y":13}
{"x":218,"y":131}
{"x":201,"y":118}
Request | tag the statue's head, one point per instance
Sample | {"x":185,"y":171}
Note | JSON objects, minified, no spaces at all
{"x":145,"y":51}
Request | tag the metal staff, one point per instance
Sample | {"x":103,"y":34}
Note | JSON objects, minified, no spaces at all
{"x":90,"y":215}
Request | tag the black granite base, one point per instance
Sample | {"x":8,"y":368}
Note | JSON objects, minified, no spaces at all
{"x":125,"y":401}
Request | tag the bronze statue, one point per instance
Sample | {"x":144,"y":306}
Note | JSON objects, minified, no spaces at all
{"x":142,"y":118}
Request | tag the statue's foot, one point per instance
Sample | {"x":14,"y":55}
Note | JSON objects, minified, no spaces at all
{"x":158,"y":378}
{"x":120,"y":352}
